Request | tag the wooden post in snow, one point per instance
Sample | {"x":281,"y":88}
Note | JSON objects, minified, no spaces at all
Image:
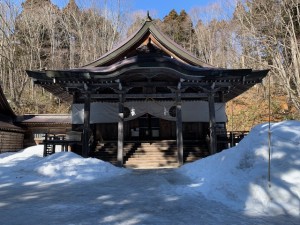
{"x":86,"y":125}
{"x":212,"y":123}
{"x":120,"y":130}
{"x":179,"y":128}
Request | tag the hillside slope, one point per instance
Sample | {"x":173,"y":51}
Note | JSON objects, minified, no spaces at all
{"x":252,"y":108}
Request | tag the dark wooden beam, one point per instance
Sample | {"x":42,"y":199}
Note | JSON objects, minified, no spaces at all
{"x":206,"y":84}
{"x":212,"y":123}
{"x":150,"y":83}
{"x":179,"y":129}
{"x":86,"y":125}
{"x":120,"y":130}
{"x":143,"y":96}
{"x":93,"y":86}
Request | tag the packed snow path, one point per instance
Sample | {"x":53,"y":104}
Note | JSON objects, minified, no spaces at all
{"x":137,"y":197}
{"x":230,"y":187}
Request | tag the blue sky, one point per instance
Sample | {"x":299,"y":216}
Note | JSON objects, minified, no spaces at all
{"x":163,"y":7}
{"x":158,"y":7}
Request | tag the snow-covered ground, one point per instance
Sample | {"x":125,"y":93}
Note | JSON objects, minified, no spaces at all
{"x":230,"y":187}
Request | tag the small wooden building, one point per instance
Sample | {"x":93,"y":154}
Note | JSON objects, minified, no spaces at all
{"x":36,"y":126}
{"x":11,"y":136}
{"x":148,"y":89}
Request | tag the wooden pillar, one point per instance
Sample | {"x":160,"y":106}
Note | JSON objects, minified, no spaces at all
{"x":212,"y":123}
{"x":75,"y":97}
{"x":120,"y":130}
{"x":179,"y":129}
{"x":86,"y":125}
{"x":221,"y":97}
{"x":45,"y":145}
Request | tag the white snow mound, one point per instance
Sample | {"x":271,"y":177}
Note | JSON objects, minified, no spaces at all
{"x":238,"y":177}
{"x":72,"y":166}
{"x":29,"y":165}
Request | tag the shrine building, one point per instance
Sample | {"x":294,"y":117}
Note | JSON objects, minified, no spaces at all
{"x":148,"y":91}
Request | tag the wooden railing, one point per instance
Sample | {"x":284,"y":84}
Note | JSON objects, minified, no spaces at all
{"x":52,"y":140}
{"x":234,"y":137}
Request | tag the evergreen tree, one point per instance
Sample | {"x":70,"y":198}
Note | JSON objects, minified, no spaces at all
{"x":179,"y":28}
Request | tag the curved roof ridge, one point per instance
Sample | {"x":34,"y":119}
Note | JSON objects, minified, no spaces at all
{"x":183,"y":52}
{"x":141,"y":35}
{"x":123,"y":44}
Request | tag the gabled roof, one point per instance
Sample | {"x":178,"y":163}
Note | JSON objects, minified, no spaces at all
{"x":147,"y":63}
{"x":147,"y":33}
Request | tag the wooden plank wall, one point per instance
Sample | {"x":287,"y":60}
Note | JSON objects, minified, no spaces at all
{"x":11,"y":141}
{"x":34,"y":134}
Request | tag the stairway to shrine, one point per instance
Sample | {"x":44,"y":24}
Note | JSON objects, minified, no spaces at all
{"x":151,"y":155}
{"x":148,"y":155}
{"x":194,"y":150}
{"x":106,"y":152}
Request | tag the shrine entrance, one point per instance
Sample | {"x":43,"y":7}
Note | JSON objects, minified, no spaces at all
{"x":150,"y":128}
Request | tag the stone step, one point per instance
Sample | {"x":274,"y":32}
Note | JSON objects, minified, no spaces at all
{"x":156,"y":144}
{"x":160,"y":154}
{"x":155,"y":147}
{"x":167,"y":150}
{"x":154,"y":154}
{"x":155,"y":150}
{"x":153,"y":157}
{"x":146,"y":159}
{"x":151,"y":165}
{"x":145,"y":151}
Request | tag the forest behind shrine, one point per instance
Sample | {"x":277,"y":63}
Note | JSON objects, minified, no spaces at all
{"x":257,"y":34}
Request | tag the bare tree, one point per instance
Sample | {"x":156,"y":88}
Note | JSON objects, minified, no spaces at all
{"x":12,"y":64}
{"x":215,"y":36}
{"x":93,"y":31}
{"x":273,"y":27}
{"x":41,"y":36}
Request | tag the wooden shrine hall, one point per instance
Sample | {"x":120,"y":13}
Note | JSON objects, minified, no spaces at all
{"x":148,"y":89}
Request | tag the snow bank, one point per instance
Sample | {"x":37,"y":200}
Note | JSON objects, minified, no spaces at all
{"x":34,"y":151}
{"x":68,"y":165}
{"x":238,"y":177}
{"x":29,"y":165}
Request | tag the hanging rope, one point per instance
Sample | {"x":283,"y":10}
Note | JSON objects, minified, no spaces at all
{"x":232,"y":123}
{"x":269,"y":135}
